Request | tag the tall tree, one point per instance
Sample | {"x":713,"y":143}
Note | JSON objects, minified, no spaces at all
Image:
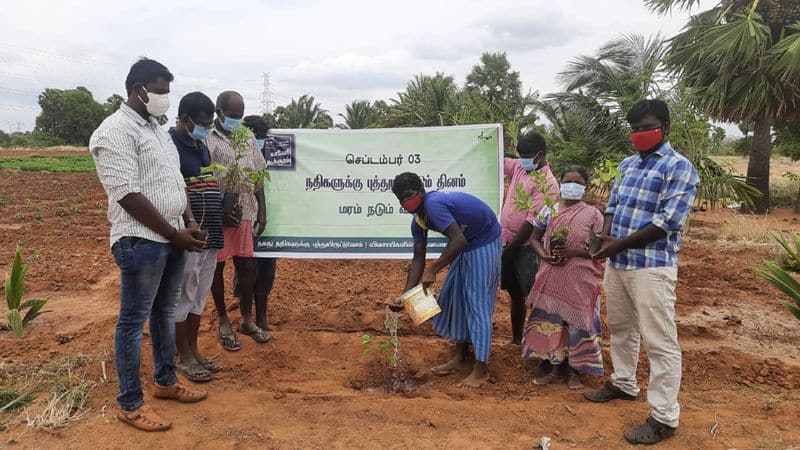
{"x":427,"y":101}
{"x":113,"y":103}
{"x":589,"y":119}
{"x":70,"y":115}
{"x":304,"y":112}
{"x":362,"y":114}
{"x":741,"y":60}
{"x":626,"y":69}
{"x":495,"y":81}
{"x":493,"y":93}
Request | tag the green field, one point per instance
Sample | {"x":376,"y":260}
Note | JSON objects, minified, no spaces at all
{"x":38,"y":163}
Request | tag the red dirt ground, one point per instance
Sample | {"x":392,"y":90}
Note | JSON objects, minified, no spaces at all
{"x":309,"y":387}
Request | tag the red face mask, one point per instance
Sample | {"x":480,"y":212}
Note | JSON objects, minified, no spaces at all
{"x":412,"y":204}
{"x":646,"y":139}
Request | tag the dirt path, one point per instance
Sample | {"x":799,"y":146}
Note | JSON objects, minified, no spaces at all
{"x":311,"y":387}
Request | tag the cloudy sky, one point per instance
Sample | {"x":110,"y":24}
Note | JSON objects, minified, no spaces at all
{"x":337,"y":51}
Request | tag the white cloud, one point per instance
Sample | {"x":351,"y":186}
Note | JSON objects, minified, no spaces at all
{"x":337,"y":51}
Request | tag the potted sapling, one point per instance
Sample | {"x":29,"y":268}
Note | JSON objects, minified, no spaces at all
{"x":235,"y":179}
{"x":559,"y":237}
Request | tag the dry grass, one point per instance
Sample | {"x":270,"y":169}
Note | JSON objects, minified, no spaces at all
{"x":746,"y":231}
{"x":63,"y":386}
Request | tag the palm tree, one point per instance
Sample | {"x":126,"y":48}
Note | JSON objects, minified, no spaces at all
{"x":589,"y":118}
{"x":362,"y":114}
{"x":626,"y":69}
{"x":304,"y":112}
{"x":741,"y":61}
{"x":427,"y":101}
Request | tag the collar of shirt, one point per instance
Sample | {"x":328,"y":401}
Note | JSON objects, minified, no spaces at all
{"x":662,"y":150}
{"x":216,"y":132}
{"x":135,"y":116}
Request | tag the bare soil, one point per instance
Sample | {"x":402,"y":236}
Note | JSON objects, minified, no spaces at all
{"x":312,"y":387}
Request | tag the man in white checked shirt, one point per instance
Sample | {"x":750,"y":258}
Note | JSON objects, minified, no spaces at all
{"x":138,"y":165}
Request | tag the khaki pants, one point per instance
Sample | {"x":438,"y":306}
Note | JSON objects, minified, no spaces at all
{"x":641,"y":307}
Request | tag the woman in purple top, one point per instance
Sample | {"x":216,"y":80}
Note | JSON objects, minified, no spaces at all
{"x":469,"y":291}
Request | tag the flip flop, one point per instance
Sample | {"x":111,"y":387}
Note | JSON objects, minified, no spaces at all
{"x":256,"y":333}
{"x":210,"y":366}
{"x":229,"y":342}
{"x":194,"y":375}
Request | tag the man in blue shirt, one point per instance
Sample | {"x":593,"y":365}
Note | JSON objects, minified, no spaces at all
{"x":647,"y":208}
{"x":469,"y":291}
{"x":195,"y":120}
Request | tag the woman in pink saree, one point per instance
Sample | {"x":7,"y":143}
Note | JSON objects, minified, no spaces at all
{"x":563,"y":328}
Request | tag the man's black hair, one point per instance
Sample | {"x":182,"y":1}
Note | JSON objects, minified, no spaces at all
{"x":531,"y":143}
{"x":195,"y":103}
{"x":406,"y":181}
{"x":145,"y":71}
{"x":257,"y":125}
{"x":653,"y":107}
{"x":575,"y":168}
{"x":224,"y":99}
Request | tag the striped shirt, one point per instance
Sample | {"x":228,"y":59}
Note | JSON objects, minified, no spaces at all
{"x":658,"y":188}
{"x":204,"y":196}
{"x":135,"y":155}
{"x":223,"y":153}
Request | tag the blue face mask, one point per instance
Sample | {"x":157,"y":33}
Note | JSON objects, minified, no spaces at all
{"x":529,"y":164}
{"x":198,"y":132}
{"x":260,"y":143}
{"x":572,"y":191}
{"x":229,"y":123}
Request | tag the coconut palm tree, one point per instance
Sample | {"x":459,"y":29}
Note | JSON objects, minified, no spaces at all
{"x":589,"y":118}
{"x":427,"y":101}
{"x":741,"y":61}
{"x":361,"y":114}
{"x":626,"y":69}
{"x":304,"y":112}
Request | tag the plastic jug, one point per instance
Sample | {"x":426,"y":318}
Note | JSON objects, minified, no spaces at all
{"x":420,"y":306}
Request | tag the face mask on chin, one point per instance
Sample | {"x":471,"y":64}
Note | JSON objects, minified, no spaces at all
{"x":646,"y":140}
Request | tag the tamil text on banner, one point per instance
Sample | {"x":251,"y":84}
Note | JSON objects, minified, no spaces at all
{"x":331,"y":197}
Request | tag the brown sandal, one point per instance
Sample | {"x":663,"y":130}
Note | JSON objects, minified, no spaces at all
{"x":143,"y":418}
{"x":179,"y":391}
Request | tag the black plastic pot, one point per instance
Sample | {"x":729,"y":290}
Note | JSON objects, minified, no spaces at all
{"x":594,"y":243}
{"x":231,"y":209}
{"x":557,"y":243}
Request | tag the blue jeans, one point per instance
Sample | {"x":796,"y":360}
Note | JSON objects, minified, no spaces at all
{"x":150,"y":285}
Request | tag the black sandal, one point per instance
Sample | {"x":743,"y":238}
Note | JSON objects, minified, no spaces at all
{"x":608,"y":393}
{"x":195,"y":373}
{"x":649,"y":433}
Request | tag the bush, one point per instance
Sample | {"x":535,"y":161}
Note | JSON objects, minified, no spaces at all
{"x":783,"y":191}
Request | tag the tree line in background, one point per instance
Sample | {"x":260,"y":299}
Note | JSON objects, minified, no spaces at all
{"x":738,"y":62}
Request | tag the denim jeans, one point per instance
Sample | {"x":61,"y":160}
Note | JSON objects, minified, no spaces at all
{"x":150,"y":283}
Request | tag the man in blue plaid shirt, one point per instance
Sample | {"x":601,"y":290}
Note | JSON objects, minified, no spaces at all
{"x":647,"y":209}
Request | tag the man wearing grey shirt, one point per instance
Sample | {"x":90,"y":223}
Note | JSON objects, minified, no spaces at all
{"x":138,"y":166}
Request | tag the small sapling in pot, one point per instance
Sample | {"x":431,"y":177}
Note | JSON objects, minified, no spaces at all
{"x":559,"y":238}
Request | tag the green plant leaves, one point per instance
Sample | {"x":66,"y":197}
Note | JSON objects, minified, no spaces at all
{"x":15,"y":321}
{"x":366,"y":339}
{"x":34,"y":307}
{"x":15,"y":281}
